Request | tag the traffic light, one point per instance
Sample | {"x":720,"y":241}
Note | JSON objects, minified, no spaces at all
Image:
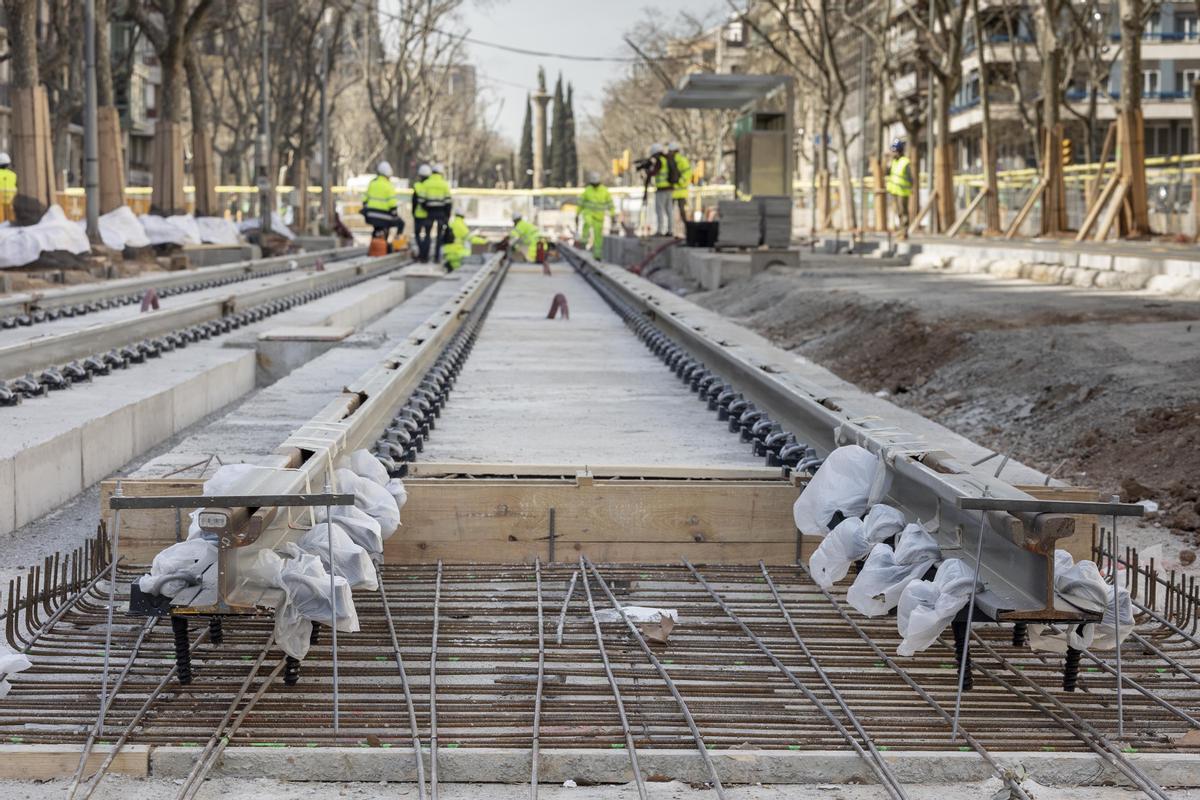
{"x":1066,"y":152}
{"x":616,"y":168}
{"x":626,"y":160}
{"x":698,"y":170}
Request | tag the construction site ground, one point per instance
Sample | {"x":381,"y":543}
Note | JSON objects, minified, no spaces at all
{"x":1101,"y":388}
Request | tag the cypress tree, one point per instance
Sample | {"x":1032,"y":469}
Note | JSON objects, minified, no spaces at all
{"x":558,"y":152}
{"x":571,"y":159}
{"x":524,"y":177}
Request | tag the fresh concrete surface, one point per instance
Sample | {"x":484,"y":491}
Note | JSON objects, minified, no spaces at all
{"x":577,"y":391}
{"x":251,"y":431}
{"x":596,"y":766}
{"x":64,"y":443}
{"x":118,"y":788}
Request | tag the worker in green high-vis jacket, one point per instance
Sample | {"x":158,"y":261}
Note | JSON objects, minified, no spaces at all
{"x":595,"y":203}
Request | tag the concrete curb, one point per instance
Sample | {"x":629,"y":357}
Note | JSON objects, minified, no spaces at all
{"x":496,"y":765}
{"x":1161,"y":274}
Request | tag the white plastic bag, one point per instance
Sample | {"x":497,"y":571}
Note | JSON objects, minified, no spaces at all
{"x":21,"y":246}
{"x":160,"y":230}
{"x":363,"y":530}
{"x":1080,"y":584}
{"x":927,"y":607}
{"x":1106,"y":631}
{"x":883,"y":522}
{"x":1056,"y":638}
{"x":851,"y":480}
{"x":396,"y":489}
{"x":364,"y":465}
{"x":372,"y":498}
{"x":351,"y":561}
{"x":11,"y":664}
{"x":181,"y":565}
{"x":120,"y":229}
{"x":306,"y":584}
{"x":844,"y":545}
{"x":877,"y":589}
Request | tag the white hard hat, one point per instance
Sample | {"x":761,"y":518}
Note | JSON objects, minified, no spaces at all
{"x":439,"y":167}
{"x":384,"y":169}
{"x":673,"y":146}
{"x":656,"y":149}
{"x":424,"y":171}
{"x":5,"y":160}
{"x":517,"y":215}
{"x":593,"y":177}
{"x":460,"y":212}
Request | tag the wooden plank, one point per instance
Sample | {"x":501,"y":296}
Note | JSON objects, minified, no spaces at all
{"x":957,"y":226}
{"x":146,"y":531}
{"x":1018,"y":220}
{"x":45,"y":762}
{"x":112,"y":160}
{"x":1097,"y":207}
{"x":416,"y":552}
{"x":421,"y":469}
{"x":916,"y":223}
{"x":1115,"y":203}
{"x":467,"y":511}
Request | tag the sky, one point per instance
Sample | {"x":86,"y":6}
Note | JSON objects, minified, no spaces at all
{"x":580,"y":27}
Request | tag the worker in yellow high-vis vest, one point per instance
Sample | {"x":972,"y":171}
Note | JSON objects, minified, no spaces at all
{"x":683,"y":179}
{"x":595,"y":203}
{"x":379,"y":205}
{"x":421,"y":222}
{"x":8,"y":187}
{"x":524,"y":237}
{"x":900,"y":182}
{"x":458,"y":246}
{"x":435,"y":191}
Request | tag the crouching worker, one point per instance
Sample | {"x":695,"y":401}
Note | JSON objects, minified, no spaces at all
{"x":524,"y":238}
{"x":457,"y":241}
{"x":379,"y":209}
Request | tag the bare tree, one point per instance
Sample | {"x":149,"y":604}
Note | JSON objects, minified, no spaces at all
{"x":32,"y":157}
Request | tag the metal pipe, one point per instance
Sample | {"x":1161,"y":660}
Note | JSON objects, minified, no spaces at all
{"x":541,"y":674}
{"x":433,"y":734}
{"x":408,"y":698}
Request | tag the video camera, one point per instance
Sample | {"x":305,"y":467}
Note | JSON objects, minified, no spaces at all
{"x":644,"y":164}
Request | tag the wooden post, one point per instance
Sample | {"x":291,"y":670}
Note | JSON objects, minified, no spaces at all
{"x":1196,"y":206}
{"x":944,"y":175}
{"x":167,"y":160}
{"x":1054,"y":207}
{"x":204,"y":175}
{"x":1132,"y":165}
{"x":300,"y":193}
{"x":112,"y":160}
{"x":33,"y":159}
{"x":823,"y":201}
{"x":991,"y":199}
{"x":914,"y":199}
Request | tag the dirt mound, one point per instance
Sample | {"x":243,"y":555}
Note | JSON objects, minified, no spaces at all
{"x":1096,"y":395}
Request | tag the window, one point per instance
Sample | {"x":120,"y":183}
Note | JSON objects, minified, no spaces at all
{"x":1151,"y":82}
{"x":735,"y":33}
{"x":1153,"y":27}
{"x":1184,"y":79}
{"x":1188,"y":25}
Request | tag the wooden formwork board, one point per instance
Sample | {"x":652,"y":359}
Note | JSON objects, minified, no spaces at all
{"x":509,"y":520}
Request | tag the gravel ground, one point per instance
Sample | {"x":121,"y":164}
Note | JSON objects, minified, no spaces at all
{"x":153,"y":789}
{"x":1101,"y":388}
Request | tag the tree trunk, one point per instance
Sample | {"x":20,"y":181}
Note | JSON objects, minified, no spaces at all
{"x":167,"y":168}
{"x":204,"y":173}
{"x":943,"y":166}
{"x":300,"y":192}
{"x":1132,"y":155}
{"x":987,"y":154}
{"x":1053,"y":197}
{"x":846,"y":181}
{"x":32,"y":157}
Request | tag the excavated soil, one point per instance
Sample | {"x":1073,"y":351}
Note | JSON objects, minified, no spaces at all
{"x":1099,"y":388}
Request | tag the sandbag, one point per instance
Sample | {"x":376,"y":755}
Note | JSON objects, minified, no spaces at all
{"x":278,"y":226}
{"x":927,"y":607}
{"x":53,"y":232}
{"x":850,"y":481}
{"x":350,"y":560}
{"x":877,"y":589}
{"x":160,"y":230}
{"x":120,"y":229}
{"x":371,"y":498}
{"x":844,"y":545}
{"x":181,"y":565}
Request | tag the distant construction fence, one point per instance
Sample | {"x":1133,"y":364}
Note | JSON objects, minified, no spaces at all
{"x":1173,"y":188}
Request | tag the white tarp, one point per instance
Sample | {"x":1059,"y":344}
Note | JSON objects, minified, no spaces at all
{"x":371,"y":498}
{"x":161,"y":230}
{"x":184,"y":564}
{"x":1082,"y":585}
{"x":217,"y":230}
{"x":21,"y":246}
{"x":187,"y":224}
{"x":278,"y":226}
{"x":349,"y":560}
{"x":638,"y":615}
{"x":851,"y":480}
{"x":120,"y":229}
{"x":11,"y":664}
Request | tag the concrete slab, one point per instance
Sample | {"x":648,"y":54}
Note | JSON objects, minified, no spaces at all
{"x":306,"y":333}
{"x":595,"y":766}
{"x":585,"y":391}
{"x":283,"y":349}
{"x":211,"y":255}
